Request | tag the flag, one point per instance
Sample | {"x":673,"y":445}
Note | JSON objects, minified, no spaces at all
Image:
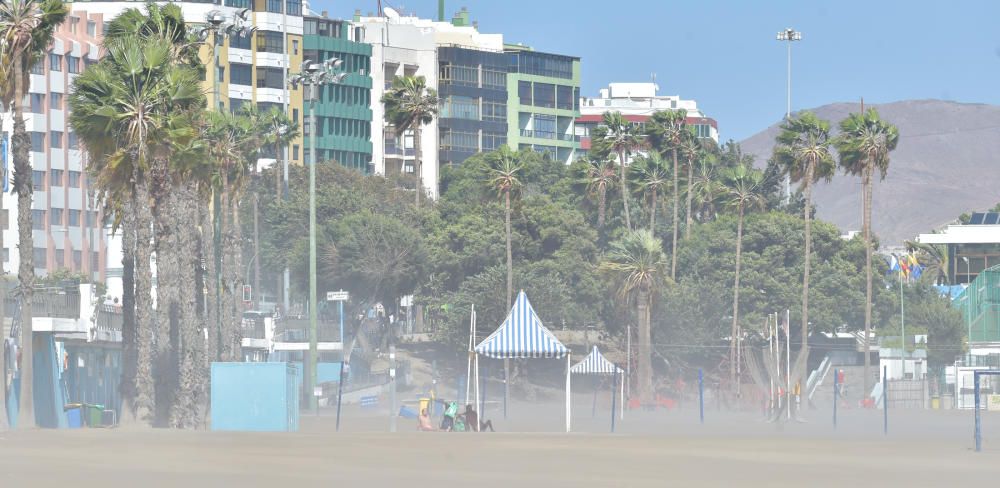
{"x":893,"y":263}
{"x":904,"y":265}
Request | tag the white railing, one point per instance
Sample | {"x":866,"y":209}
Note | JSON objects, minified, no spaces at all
{"x":817,"y":376}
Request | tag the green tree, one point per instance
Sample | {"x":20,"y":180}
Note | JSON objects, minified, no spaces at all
{"x":623,"y":139}
{"x":599,"y":176}
{"x":504,"y":176}
{"x":742,"y":192}
{"x":934,"y":258}
{"x":410,"y":105}
{"x":650,"y":175}
{"x":666,"y":131}
{"x":864,"y":145}
{"x":26,"y":30}
{"x":636,"y":262}
{"x":691,"y":149}
{"x":803,"y":150}
{"x":704,"y":188}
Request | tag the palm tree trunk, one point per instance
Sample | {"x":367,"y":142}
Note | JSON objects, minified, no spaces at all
{"x":736,"y":302}
{"x":129,"y":334}
{"x":211,"y":310}
{"x":602,"y":201}
{"x":652,"y":212}
{"x":625,"y":195}
{"x":416,"y":163}
{"x":689,"y":219}
{"x":256,"y":291}
{"x":236,"y":277}
{"x":190,"y":392}
{"x":673,"y":245}
{"x":510,"y":262}
{"x":645,"y":365}
{"x":866,"y":192}
{"x":167,"y":290}
{"x":807,"y":258}
{"x":279,"y":168}
{"x":26,"y":270}
{"x":145,"y":399}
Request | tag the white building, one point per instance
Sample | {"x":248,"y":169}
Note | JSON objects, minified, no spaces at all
{"x":401,"y":46}
{"x":638,"y":102}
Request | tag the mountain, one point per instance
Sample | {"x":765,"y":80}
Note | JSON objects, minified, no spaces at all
{"x":947,"y":163}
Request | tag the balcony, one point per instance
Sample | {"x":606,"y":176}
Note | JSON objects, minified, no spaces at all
{"x":550,"y":135}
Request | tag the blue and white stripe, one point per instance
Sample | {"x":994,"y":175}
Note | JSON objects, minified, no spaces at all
{"x":595,"y":363}
{"x":522,"y":335}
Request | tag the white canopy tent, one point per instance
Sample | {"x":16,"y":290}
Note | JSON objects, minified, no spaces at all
{"x":522,"y":335}
{"x":596,"y":364}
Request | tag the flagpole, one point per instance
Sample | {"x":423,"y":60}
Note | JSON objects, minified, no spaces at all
{"x":788,"y":365}
{"x":902,"y":327}
{"x":468,"y":369}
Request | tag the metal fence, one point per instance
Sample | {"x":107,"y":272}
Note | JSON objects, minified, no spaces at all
{"x":980,"y":305}
{"x":912,"y":394}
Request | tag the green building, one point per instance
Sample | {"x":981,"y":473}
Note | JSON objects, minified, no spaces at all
{"x":543,"y":101}
{"x":343,"y":111}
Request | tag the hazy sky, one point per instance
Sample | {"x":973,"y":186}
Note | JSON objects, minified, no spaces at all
{"x":724,"y":53}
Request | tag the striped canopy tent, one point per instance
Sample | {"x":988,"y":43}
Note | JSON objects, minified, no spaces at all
{"x":522,"y":335}
{"x":596,"y":364}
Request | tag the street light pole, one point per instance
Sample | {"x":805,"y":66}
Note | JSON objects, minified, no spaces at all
{"x":789,"y":35}
{"x":313,"y":76}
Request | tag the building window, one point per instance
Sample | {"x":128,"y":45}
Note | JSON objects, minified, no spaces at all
{"x":544,"y":95}
{"x":456,"y":107}
{"x":293,"y":7}
{"x":564,"y":97}
{"x":77,"y":260}
{"x":91,"y":28}
{"x":545,"y":126}
{"x":295,"y":152}
{"x":38,"y":219}
{"x":264,"y":107}
{"x":269,"y":77}
{"x":524,"y":92}
{"x":238,"y":3}
{"x":240,"y":74}
{"x":39,"y":255}
{"x":309,"y":27}
{"x":56,"y":177}
{"x":273,"y":6}
{"x":38,"y":141}
{"x":459,"y":75}
{"x":492,"y":142}
{"x":95,"y":261}
{"x":306,"y":153}
{"x":74,"y":218}
{"x":36,"y":103}
{"x":60,"y":258}
{"x":55,"y":62}
{"x":270,"y":42}
{"x":73,"y":64}
{"x":295,"y":46}
{"x":38,"y":68}
{"x":236,"y":104}
{"x":55,"y":216}
{"x":295,"y":116}
{"x":55,"y":139}
{"x":74,"y":22}
{"x":238,"y":42}
{"x":74,"y":178}
{"x":91,"y":218}
{"x":459,"y":140}
{"x":494,"y":111}
{"x":494,"y":79}
{"x":535,"y":63}
{"x":38,"y":180}
{"x":55,"y":101}
{"x":72,"y":142}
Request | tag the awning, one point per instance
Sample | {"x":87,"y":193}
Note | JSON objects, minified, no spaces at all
{"x":522,"y":335}
{"x":595,"y":363}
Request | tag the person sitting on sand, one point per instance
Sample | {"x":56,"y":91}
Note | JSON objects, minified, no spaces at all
{"x":472,"y":420}
{"x":424,"y":422}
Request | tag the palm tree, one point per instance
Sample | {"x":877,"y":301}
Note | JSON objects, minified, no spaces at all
{"x":26,"y":30}
{"x":666,"y":130}
{"x":279,"y":131}
{"x":637,"y":261}
{"x":651,"y":175}
{"x":934,"y":257}
{"x":504,"y":173}
{"x":410,"y":105}
{"x":803,"y":151}
{"x":705,"y":187}
{"x":743,"y":192}
{"x":599,"y":176}
{"x":129,"y":110}
{"x":863,"y":145}
{"x":622,"y":138}
{"x":692,"y":151}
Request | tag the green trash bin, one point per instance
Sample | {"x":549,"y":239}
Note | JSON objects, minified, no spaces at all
{"x":95,"y":415}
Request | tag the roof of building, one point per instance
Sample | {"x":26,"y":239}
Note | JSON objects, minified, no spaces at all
{"x":964,"y":234}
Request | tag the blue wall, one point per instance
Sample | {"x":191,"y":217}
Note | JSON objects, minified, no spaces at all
{"x":260,"y":397}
